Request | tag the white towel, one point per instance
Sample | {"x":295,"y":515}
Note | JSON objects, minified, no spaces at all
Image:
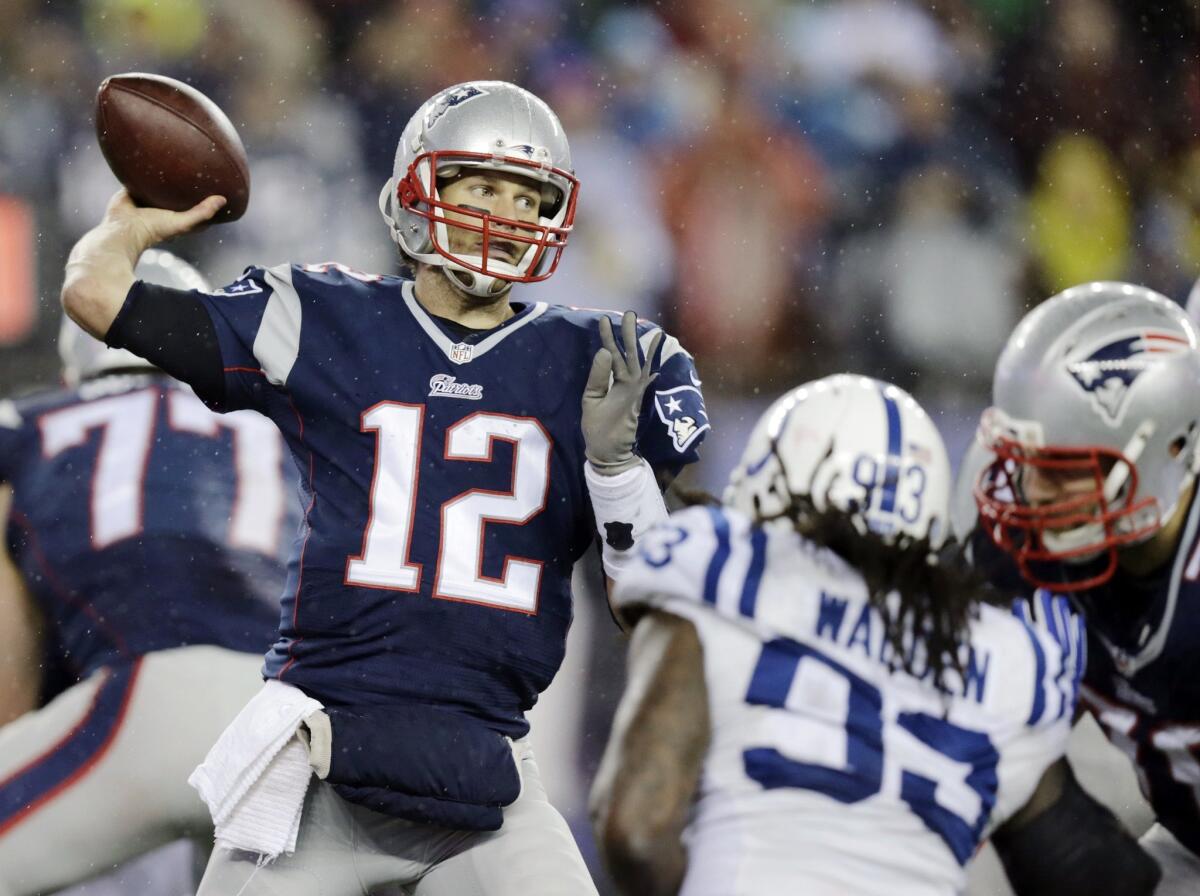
{"x":256,"y":775}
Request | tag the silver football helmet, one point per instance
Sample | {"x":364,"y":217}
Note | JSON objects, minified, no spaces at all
{"x":491,"y":125}
{"x":1193,"y":302}
{"x":850,"y":442}
{"x":84,"y":356}
{"x":1100,"y":383}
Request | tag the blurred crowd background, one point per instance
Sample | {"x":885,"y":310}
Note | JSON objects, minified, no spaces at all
{"x":793,"y":188}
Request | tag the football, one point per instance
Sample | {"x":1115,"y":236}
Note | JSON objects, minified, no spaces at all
{"x":170,"y":145}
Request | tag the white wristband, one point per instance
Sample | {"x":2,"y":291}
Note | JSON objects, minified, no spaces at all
{"x":625,"y":506}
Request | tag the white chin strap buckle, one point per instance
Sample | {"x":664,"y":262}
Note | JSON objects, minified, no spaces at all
{"x":481,"y":285}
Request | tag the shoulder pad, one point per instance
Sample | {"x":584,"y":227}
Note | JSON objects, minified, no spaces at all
{"x":253,"y":281}
{"x":336,"y":272}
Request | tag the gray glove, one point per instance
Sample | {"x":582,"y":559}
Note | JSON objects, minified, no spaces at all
{"x":610,"y":412}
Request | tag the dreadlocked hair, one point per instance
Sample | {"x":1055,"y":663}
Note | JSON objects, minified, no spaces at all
{"x":938,"y":592}
{"x":687,"y":496}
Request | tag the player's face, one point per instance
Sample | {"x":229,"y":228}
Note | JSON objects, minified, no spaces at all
{"x":500,"y":194}
{"x":1043,"y":487}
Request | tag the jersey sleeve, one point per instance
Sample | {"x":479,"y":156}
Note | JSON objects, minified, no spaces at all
{"x":1046,"y":711}
{"x":1059,"y":643}
{"x":679,"y":564}
{"x":257,"y":323}
{"x":674,"y":421}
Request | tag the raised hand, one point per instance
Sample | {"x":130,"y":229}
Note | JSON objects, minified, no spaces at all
{"x":612,"y":399}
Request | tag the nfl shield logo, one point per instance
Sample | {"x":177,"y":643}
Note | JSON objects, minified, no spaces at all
{"x":461,"y":353}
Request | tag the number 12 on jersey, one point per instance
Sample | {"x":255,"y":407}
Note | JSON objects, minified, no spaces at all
{"x":385,"y":560}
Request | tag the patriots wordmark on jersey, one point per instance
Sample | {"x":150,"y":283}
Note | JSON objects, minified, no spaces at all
{"x":828,"y":765}
{"x":443,"y":477}
{"x":142,"y":521}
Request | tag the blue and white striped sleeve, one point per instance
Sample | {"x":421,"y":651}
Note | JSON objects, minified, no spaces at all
{"x":701,"y":558}
{"x":1059,"y":643}
{"x":257,"y":322}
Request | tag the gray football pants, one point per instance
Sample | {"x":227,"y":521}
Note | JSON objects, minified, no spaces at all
{"x":346,"y":850}
{"x":1180,"y":866}
{"x":99,"y":775}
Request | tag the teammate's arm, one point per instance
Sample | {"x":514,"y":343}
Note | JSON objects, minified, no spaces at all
{"x":100,"y":267}
{"x":651,"y":767}
{"x":1064,"y":843}
{"x":20,"y":635}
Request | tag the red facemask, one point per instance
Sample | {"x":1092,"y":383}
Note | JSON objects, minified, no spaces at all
{"x":1021,"y":528}
{"x":415,"y":196}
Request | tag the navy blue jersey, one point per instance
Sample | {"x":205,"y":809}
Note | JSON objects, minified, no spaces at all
{"x":142,"y":521}
{"x":1143,"y":675}
{"x":443,"y":481}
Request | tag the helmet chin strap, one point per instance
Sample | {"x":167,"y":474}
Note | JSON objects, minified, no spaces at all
{"x":474,"y":284}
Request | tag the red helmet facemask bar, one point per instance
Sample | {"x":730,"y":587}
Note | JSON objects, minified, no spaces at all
{"x":1019,"y":528}
{"x":414,"y":196}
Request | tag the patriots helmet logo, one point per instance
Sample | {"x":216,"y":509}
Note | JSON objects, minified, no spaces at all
{"x":449,"y":100}
{"x":1107,"y":372}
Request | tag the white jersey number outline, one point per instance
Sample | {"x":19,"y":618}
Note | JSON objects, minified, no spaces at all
{"x":127,"y":422}
{"x":260,"y":499}
{"x":1178,"y":743}
{"x":384,"y":560}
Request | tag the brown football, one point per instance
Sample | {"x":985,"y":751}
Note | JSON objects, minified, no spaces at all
{"x":170,"y":145}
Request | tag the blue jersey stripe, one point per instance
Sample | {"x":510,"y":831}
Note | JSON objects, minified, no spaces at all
{"x":894,"y":444}
{"x":758,"y":560}
{"x":1039,"y":674}
{"x":40,"y":780}
{"x":720,"y":555}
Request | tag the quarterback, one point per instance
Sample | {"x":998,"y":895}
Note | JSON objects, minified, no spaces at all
{"x":460,"y":450}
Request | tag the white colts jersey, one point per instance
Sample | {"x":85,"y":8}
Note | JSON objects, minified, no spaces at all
{"x":827,"y":773}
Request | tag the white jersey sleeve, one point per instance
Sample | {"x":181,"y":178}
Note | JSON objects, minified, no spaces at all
{"x":1042,"y":715}
{"x":682,"y":560}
